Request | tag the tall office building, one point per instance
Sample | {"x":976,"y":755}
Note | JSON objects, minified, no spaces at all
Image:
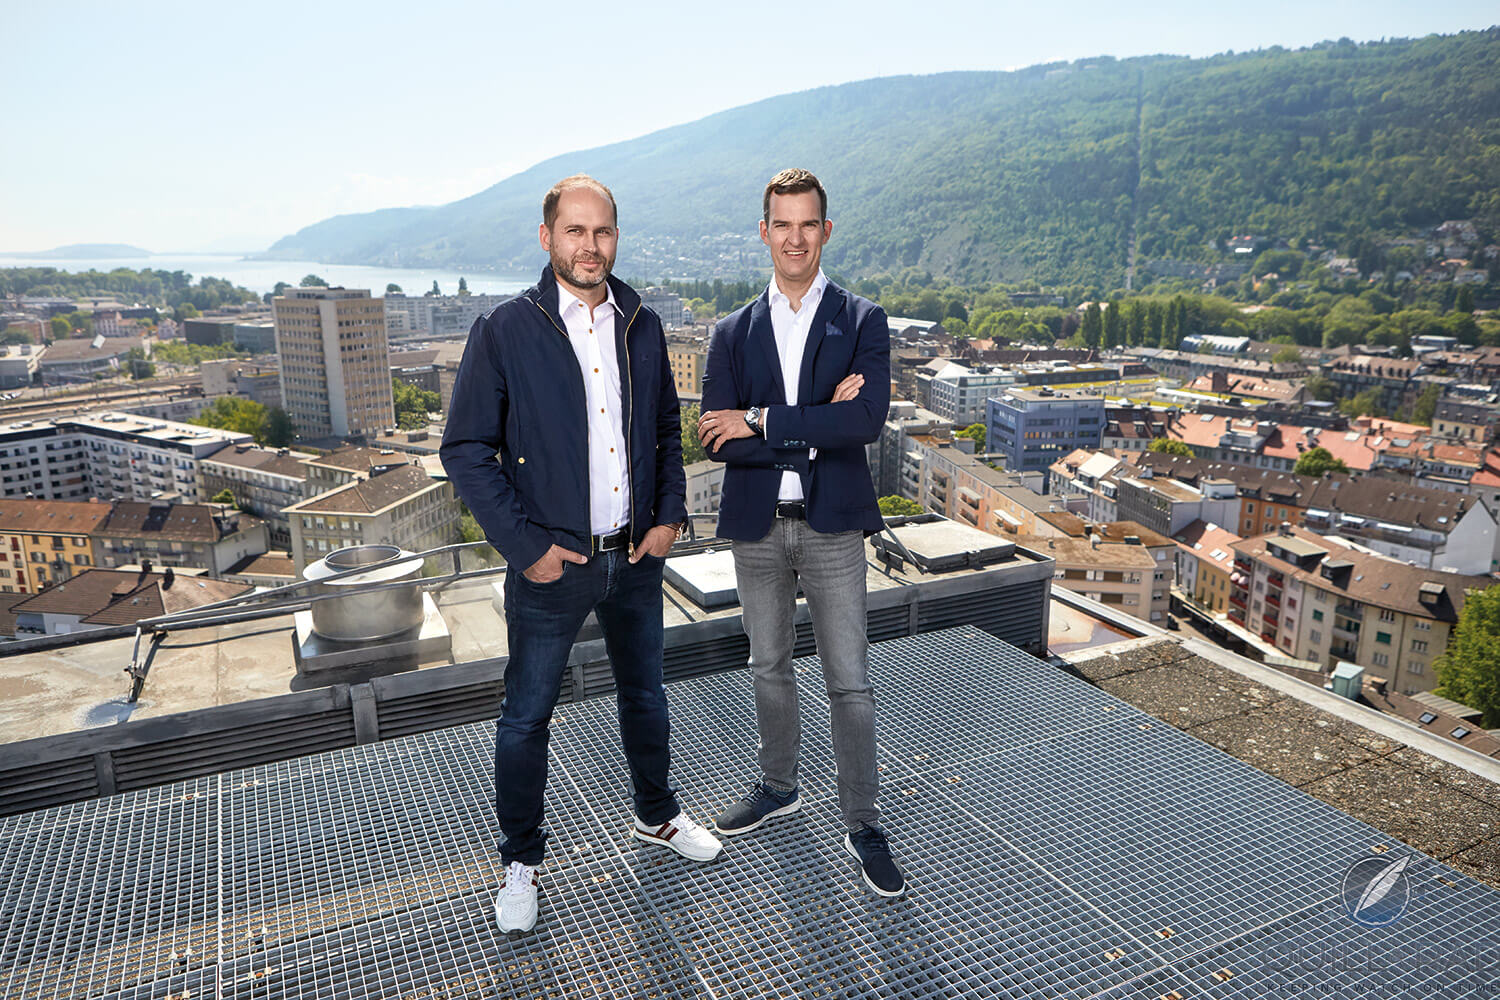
{"x":335,"y":363}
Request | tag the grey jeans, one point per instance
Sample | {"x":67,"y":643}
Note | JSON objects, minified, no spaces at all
{"x":831,"y":568}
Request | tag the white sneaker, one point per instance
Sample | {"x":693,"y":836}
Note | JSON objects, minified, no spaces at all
{"x":681,"y":835}
{"x":515,"y":907}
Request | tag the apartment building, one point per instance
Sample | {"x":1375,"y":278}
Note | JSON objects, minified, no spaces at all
{"x":264,"y":482}
{"x":398,"y":506}
{"x":1329,"y":600}
{"x":960,"y":394}
{"x":1032,"y":428}
{"x":351,"y":465}
{"x":1117,"y":574}
{"x":335,"y":362}
{"x":1434,"y":529}
{"x":687,"y":355}
{"x":1205,"y":564}
{"x":184,"y":536}
{"x":705,"y":484}
{"x":43,"y":542}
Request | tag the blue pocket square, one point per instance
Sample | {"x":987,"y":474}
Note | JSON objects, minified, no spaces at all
{"x":832,"y":330}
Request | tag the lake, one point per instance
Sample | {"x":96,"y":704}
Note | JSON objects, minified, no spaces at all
{"x":261,"y":275}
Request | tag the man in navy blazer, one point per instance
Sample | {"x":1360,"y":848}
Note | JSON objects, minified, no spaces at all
{"x":798,"y":382}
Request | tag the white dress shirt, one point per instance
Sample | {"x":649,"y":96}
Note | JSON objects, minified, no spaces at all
{"x":593,"y":341}
{"x":791,"y":329}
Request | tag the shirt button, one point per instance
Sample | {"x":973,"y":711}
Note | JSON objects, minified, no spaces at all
{"x":596,"y":371}
{"x":611,"y":451}
{"x":617,"y":489}
{"x":522,"y":460}
{"x":601,"y":409}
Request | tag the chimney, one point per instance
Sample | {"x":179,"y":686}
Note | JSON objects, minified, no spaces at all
{"x":1286,"y":528}
{"x":145,"y":566}
{"x":167,"y":576}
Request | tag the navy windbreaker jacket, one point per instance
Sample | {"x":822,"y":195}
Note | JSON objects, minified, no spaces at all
{"x":520,"y":393}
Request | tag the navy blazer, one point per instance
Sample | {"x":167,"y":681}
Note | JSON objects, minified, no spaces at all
{"x":849,"y":334}
{"x":520,"y":392}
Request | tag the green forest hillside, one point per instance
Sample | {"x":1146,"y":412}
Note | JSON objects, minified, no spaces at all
{"x":1048,"y":173}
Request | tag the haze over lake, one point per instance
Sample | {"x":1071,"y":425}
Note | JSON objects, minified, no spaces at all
{"x":261,"y":275}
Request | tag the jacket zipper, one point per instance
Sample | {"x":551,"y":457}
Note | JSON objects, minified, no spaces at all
{"x":627,"y":385}
{"x":588,"y":499}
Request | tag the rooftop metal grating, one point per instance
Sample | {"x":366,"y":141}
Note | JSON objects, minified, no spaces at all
{"x":1059,"y":843}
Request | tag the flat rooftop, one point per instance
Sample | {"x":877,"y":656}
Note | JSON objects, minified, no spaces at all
{"x":1059,"y":842}
{"x":66,"y":689}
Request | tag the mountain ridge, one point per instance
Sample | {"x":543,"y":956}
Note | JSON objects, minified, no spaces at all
{"x":1048,"y":172}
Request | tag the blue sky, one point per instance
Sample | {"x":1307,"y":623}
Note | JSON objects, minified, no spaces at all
{"x":180,"y":126}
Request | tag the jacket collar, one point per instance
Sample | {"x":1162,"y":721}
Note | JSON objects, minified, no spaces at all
{"x":544,"y":294}
{"x":764,"y":335}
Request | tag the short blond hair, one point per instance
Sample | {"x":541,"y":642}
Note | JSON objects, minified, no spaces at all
{"x":555,"y":193}
{"x":794,"y":180}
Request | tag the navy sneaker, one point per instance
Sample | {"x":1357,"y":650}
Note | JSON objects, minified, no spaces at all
{"x":759,"y":804}
{"x":880,"y":871}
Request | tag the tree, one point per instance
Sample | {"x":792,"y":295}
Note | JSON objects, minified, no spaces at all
{"x":392,"y":288}
{"x":235,"y":413}
{"x":1320,"y":387}
{"x":280,"y":431}
{"x":1092,"y":327}
{"x":413,"y":404}
{"x":1114,"y":325}
{"x":975,"y":433}
{"x":470,"y":531}
{"x":435,"y":290}
{"x":139,"y":367}
{"x":692,"y":448}
{"x":226,"y":495}
{"x":1288,"y":355}
{"x":1169,"y":446}
{"x":463,"y":286}
{"x":894,"y":506}
{"x":312,"y":281}
{"x":1464,"y":301}
{"x":1316,"y":461}
{"x":1425,"y":407}
{"x":1469,"y":672}
{"x":1364,"y":404}
{"x":60,"y":327}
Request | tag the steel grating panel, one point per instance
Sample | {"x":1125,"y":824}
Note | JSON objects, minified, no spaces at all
{"x":1050,"y":833}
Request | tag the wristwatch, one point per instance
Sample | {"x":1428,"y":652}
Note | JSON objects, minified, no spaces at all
{"x":752,"y":417}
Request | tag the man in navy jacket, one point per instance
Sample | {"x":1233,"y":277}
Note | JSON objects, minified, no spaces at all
{"x":797,"y":383}
{"x":570,"y":383}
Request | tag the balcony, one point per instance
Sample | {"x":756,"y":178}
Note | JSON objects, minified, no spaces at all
{"x":1237,"y":600}
{"x":1271,"y":618}
{"x":1237,"y":616}
{"x":1276,"y":580}
{"x":1353,"y":612}
{"x":1347,"y":632}
{"x":1273,"y":600}
{"x":1243,"y":565}
{"x":1343,"y":651}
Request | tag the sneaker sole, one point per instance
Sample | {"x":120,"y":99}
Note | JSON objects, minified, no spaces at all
{"x":785,"y":810}
{"x":849,"y":846}
{"x":642,"y":835}
{"x":515,"y":932}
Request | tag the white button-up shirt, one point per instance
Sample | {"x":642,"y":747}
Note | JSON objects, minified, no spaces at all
{"x":593,"y":339}
{"x":791,"y":329}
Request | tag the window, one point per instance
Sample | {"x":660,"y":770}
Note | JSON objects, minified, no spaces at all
{"x":1380,"y":659}
{"x":1422,"y":626}
{"x":1459,"y":733}
{"x":1387,"y":615}
{"x":1315,"y":636}
{"x":1384,"y":638}
{"x":1419,"y":645}
{"x":1317,"y":615}
{"x":1416,"y":667}
{"x":1427,"y":717}
{"x":1249,"y":507}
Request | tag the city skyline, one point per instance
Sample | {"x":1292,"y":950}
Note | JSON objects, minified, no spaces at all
{"x":191,"y":110}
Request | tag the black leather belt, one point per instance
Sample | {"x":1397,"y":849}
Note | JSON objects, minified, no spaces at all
{"x":610,"y":543}
{"x":794,"y":509}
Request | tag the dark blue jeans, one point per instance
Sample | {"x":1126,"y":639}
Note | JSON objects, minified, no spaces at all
{"x":542,"y":620}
